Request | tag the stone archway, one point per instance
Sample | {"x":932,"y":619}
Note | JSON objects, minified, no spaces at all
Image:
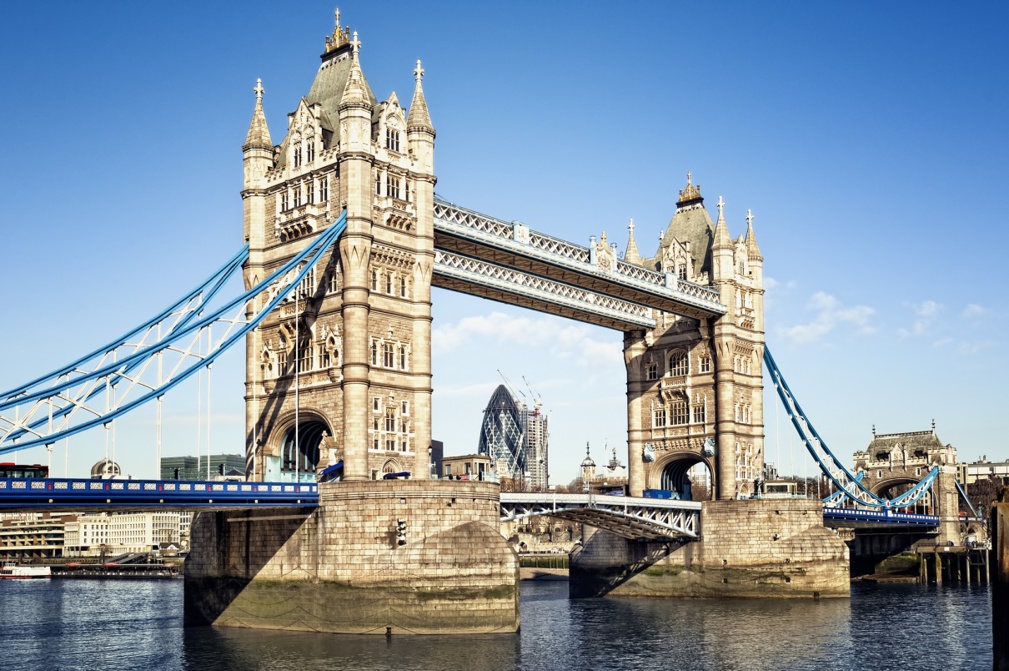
{"x":688,"y":475}
{"x":893,"y":487}
{"x":298,"y":448}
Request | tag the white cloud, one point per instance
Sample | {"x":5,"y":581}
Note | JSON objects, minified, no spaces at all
{"x":830,"y":315}
{"x":973,"y":311}
{"x":925,"y":314}
{"x":565,"y":340}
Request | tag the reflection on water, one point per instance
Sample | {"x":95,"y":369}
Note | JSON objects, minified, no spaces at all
{"x":123,"y":625}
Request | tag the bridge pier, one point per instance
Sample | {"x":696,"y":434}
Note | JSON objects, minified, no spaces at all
{"x":750,"y":548}
{"x":406,"y":556}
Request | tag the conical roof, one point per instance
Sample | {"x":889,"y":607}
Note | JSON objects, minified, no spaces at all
{"x":419,"y":117}
{"x":258,"y":136}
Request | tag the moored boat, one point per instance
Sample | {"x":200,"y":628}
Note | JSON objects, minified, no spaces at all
{"x":16,"y":572}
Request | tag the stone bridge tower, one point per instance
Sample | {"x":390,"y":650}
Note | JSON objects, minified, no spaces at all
{"x":342,"y":370}
{"x":694,"y":386}
{"x":895,"y":462}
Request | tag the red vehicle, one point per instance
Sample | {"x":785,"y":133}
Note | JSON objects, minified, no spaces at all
{"x":8,"y":469}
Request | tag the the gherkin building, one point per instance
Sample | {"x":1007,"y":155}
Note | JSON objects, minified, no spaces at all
{"x":502,"y":435}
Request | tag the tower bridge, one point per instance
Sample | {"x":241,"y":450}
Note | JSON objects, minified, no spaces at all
{"x":344,"y":240}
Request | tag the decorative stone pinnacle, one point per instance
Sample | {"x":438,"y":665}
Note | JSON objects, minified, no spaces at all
{"x":749,"y":217}
{"x":721,"y":206}
{"x":418,"y":72}
{"x":355,"y":44}
{"x":259,"y":90}
{"x":340,"y":34}
{"x":691,"y":193}
{"x":630,"y":225}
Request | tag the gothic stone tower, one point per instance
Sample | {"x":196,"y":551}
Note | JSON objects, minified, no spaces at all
{"x":341,"y":371}
{"x":694,"y":387}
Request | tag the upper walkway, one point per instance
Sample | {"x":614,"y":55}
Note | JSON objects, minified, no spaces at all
{"x":508,"y":262}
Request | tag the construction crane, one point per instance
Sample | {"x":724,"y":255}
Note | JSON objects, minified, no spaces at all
{"x":537,"y":399}
{"x":510,"y":386}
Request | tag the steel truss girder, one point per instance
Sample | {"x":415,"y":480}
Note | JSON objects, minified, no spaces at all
{"x":630,"y":517}
{"x":483,"y":278}
{"x":81,"y":399}
{"x":850,"y":487}
{"x":514,"y":245}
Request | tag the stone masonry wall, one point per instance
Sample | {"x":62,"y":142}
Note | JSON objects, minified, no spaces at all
{"x":752,"y":548}
{"x":341,"y":568}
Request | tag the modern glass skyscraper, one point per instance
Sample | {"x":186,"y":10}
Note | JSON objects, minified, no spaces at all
{"x":515,"y":438}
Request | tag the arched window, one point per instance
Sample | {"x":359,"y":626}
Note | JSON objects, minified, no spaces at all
{"x":297,"y":156}
{"x":679,"y":363}
{"x":652,"y":370}
{"x":659,"y":416}
{"x":679,"y":412}
{"x":311,"y":152}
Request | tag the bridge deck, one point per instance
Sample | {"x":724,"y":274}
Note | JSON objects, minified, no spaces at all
{"x":513,"y":245}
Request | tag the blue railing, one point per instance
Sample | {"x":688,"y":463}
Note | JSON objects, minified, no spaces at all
{"x":81,"y":493}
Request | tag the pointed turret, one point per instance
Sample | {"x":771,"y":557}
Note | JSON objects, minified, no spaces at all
{"x":631,"y":255}
{"x":257,"y":158}
{"x":356,"y":91}
{"x":258,"y":136}
{"x":752,"y":250}
{"x":722,"y":238}
{"x":419,"y":130}
{"x":419,"y":117}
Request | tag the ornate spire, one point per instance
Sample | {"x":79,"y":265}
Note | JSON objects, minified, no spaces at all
{"x":631,"y":255}
{"x":691,"y":194}
{"x":418,"y":117}
{"x":752,"y":250}
{"x":722,"y":239}
{"x":340,"y":36}
{"x":258,"y":136}
{"x":356,"y":91}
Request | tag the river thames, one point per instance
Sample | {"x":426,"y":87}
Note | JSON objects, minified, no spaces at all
{"x":125,"y":625}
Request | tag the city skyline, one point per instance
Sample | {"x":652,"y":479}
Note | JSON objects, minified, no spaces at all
{"x":865,"y":152}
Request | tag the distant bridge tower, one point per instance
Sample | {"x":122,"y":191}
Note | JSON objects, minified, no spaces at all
{"x":894,"y":462}
{"x":694,"y":384}
{"x":342,"y":370}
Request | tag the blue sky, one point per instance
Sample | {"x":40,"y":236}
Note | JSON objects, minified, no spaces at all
{"x":868,"y":139}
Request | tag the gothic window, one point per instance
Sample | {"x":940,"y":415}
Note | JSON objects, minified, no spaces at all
{"x":390,"y":420}
{"x":327,"y":357}
{"x":305,"y":360}
{"x":392,"y":186}
{"x":376,"y":403}
{"x":679,"y":364}
{"x":334,"y":281}
{"x":392,"y":139}
{"x":659,"y":418}
{"x":652,"y":370}
{"x":679,"y":413}
{"x":374,"y":352}
{"x":311,"y":152}
{"x":390,"y":443}
{"x":310,"y":192}
{"x":404,"y":407}
{"x":297,"y":156}
{"x":406,"y":188}
{"x":705,"y":363}
{"x":374,"y":280}
{"x":378,"y":183}
{"x":297,"y":195}
{"x":282,"y":358}
{"x":284,"y":203}
{"x":700,"y":413}
{"x":402,"y":287}
{"x":388,"y":283}
{"x":402,"y":357}
{"x":324,"y":189}
{"x":681,"y":271}
{"x":388,"y":355}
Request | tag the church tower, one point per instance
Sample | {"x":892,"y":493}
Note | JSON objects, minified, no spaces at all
{"x":694,"y":386}
{"x":341,"y":371}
